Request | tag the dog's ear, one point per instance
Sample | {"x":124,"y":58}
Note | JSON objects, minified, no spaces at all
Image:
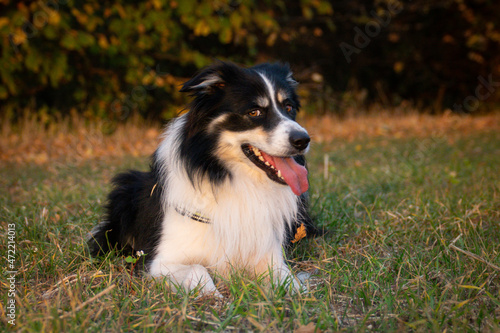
{"x":290,"y":79}
{"x":281,"y":70}
{"x":289,"y":74}
{"x":206,"y":81}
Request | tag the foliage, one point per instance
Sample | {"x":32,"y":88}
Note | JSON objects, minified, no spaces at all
{"x":431,"y":53}
{"x":109,"y":59}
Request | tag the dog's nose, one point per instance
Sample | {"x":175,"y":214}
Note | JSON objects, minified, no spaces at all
{"x":299,"y":140}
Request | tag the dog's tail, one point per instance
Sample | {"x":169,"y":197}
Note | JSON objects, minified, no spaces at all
{"x":121,"y":213}
{"x":102,"y":238}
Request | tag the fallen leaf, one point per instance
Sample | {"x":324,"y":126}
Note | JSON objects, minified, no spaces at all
{"x":301,"y":233}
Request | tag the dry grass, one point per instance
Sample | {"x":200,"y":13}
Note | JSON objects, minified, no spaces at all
{"x":328,"y":128}
{"x":75,"y":140}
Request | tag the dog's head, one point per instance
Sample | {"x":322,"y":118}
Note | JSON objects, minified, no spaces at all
{"x":245,"y":117}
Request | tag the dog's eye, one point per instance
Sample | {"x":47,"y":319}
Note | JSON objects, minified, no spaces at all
{"x":255,"y":113}
{"x":288,"y":108}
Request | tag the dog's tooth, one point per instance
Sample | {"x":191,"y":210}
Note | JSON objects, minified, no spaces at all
{"x":267,"y":163}
{"x":256,"y":151}
{"x":261,"y":158}
{"x":279,"y":173}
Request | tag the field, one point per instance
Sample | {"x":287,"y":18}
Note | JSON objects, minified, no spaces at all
{"x":410,"y":207}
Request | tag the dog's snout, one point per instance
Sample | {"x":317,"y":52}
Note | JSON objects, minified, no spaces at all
{"x":299,"y":140}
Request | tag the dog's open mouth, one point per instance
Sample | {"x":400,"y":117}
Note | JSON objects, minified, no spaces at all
{"x":283,"y":170}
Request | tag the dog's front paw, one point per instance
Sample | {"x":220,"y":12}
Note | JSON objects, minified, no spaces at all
{"x":293,"y":283}
{"x":298,"y":285}
{"x":204,"y":292}
{"x":187,"y":278}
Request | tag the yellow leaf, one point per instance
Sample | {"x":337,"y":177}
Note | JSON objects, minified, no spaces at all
{"x":54,"y":17}
{"x":202,"y":28}
{"x":4,"y":21}
{"x":19,"y":37}
{"x":301,"y":233}
{"x":102,"y":41}
{"x":89,"y":9}
{"x":157,"y":4}
{"x":399,"y":66}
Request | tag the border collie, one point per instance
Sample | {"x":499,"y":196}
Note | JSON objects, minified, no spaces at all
{"x":227,"y":185}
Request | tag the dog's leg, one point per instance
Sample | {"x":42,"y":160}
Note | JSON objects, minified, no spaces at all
{"x":275,"y":264}
{"x":281,"y":274}
{"x":187,"y":277}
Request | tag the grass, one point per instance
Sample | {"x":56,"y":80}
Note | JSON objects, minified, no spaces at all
{"x":412,"y":243}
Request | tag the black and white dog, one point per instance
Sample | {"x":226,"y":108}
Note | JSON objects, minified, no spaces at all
{"x":227,"y":186}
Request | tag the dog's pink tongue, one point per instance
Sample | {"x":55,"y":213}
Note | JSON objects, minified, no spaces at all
{"x":295,"y":175}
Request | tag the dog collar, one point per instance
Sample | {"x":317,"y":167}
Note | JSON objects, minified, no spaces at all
{"x":299,"y":234}
{"x":184,"y":212}
{"x":193,"y":216}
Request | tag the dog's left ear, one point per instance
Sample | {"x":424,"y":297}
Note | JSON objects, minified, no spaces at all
{"x":290,"y":79}
{"x":206,"y":81}
{"x":289,"y":74}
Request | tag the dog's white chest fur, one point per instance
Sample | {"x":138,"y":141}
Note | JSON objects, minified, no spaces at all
{"x":247,"y":214}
